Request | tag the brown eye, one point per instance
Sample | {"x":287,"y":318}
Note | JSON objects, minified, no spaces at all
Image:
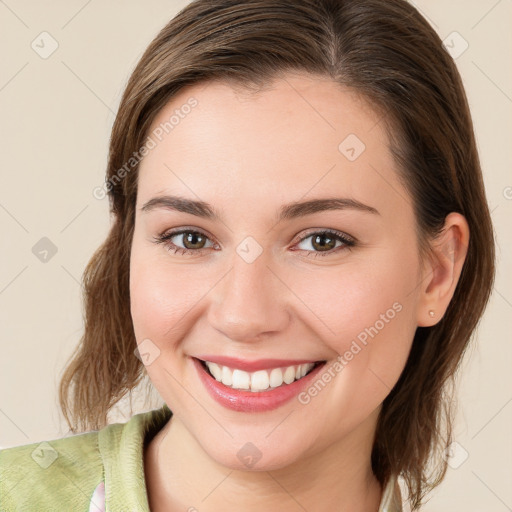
{"x":193,"y":240}
{"x":323,"y":242}
{"x":185,"y":241}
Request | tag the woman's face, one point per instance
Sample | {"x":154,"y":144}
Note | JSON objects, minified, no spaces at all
{"x":262,"y":286}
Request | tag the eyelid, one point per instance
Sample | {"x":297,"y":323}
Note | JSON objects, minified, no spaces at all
{"x":166,"y":235}
{"x":313,"y":231}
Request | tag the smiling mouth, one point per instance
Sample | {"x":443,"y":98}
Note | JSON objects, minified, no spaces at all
{"x":261,"y":380}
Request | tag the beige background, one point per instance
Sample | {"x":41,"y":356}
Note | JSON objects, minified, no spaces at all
{"x":56,"y":115}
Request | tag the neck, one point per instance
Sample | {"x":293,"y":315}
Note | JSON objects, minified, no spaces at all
{"x":180,"y":475}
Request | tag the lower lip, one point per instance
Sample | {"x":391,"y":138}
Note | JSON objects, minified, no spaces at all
{"x":247,"y":401}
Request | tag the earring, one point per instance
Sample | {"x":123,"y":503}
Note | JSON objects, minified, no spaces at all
{"x":431,"y":313}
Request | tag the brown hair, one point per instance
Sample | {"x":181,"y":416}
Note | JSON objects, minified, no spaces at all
{"x":386,"y":51}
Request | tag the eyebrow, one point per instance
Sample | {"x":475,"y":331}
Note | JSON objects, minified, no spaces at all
{"x":286,"y":212}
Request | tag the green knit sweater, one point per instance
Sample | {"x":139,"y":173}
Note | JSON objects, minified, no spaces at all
{"x":63,"y":475}
{"x":99,"y":471}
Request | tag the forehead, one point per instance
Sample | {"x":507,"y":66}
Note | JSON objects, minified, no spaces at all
{"x":299,"y":135}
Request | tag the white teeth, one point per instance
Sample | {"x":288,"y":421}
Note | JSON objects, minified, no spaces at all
{"x":216,"y":371}
{"x":227,"y":376}
{"x":276,"y":378}
{"x":260,"y":380}
{"x":241,"y":379}
{"x":289,"y":374}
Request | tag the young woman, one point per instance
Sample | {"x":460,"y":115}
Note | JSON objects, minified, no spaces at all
{"x":300,"y":253}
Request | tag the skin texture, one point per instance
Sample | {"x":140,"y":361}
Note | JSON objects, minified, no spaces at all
{"x":248,"y":154}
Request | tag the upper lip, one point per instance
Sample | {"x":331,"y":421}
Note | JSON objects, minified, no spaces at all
{"x":257,"y":364}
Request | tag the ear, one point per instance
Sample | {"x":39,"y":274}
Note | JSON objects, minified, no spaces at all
{"x":441,"y":273}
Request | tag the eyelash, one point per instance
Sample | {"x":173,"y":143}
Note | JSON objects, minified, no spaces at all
{"x":165,"y":237}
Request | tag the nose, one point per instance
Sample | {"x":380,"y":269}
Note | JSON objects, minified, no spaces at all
{"x":249,"y":302}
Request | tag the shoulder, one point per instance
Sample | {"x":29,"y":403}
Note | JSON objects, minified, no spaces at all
{"x":63,"y":474}
{"x":58,"y":474}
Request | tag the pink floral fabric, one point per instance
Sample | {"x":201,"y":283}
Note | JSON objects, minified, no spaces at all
{"x":98,"y":499}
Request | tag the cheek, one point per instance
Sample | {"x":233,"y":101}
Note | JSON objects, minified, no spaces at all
{"x":365,"y":311}
{"x":164,"y":302}
{"x":164,"y":298}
